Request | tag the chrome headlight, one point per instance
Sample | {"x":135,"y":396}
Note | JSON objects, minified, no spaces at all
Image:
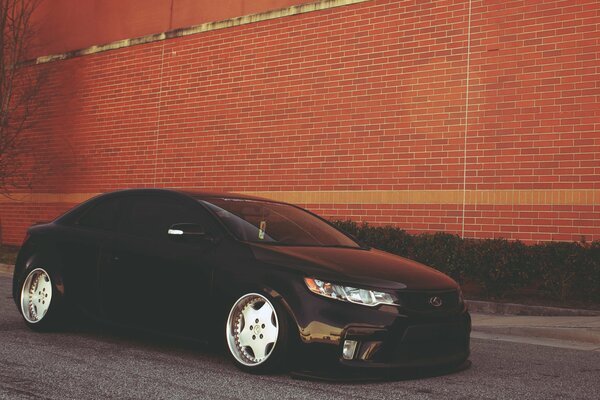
{"x":350,"y":294}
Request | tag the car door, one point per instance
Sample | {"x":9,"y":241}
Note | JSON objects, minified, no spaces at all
{"x":82,"y":247}
{"x":153,"y":280}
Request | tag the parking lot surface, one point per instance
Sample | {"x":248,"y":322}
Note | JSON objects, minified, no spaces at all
{"x":92,"y":362}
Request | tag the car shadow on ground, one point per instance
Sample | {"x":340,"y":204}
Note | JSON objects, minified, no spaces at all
{"x":137,"y":338}
{"x":368,"y":376}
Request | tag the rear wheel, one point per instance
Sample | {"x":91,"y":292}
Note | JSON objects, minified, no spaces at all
{"x":257,"y":334}
{"x":40,"y":302}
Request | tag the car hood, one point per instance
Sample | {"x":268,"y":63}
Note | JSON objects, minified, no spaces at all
{"x":364,"y":267}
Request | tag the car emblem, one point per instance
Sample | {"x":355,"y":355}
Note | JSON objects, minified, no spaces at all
{"x":435,"y":301}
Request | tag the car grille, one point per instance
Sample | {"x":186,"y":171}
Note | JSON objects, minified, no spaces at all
{"x":423,"y":301}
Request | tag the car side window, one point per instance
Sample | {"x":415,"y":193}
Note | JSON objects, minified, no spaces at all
{"x":101,"y":216}
{"x":151,"y":216}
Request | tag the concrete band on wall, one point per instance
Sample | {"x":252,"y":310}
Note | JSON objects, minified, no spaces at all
{"x":473,"y":197}
{"x":206,"y":27}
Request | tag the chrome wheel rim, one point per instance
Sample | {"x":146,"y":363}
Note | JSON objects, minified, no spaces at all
{"x":36,"y":295}
{"x":252,"y":329}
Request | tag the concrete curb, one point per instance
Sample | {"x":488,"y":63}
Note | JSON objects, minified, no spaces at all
{"x":584,"y":330}
{"x":588,"y":335}
{"x":488,"y":307}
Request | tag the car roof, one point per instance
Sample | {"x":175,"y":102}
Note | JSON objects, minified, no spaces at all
{"x":192,"y":193}
{"x":197,"y":195}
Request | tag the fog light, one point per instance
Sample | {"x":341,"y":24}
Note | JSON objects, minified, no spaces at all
{"x":349,"y":349}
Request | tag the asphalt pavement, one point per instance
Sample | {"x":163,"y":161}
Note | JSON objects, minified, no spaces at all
{"x":91,"y":362}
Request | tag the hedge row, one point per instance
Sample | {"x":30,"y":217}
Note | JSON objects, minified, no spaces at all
{"x":555,"y":270}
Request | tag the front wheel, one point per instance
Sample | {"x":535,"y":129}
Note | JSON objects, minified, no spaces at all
{"x":257,"y":334}
{"x":39,"y":302}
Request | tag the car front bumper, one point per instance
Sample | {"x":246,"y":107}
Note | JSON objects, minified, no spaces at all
{"x":387,"y":337}
{"x":411,"y":342}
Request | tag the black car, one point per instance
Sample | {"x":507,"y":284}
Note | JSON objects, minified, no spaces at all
{"x":278,"y":284}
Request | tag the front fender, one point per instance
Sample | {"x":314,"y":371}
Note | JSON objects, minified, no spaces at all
{"x":33,"y":254}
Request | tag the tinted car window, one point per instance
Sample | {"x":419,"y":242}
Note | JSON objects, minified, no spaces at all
{"x":152,"y":216}
{"x":101,"y":216}
{"x":275,"y":223}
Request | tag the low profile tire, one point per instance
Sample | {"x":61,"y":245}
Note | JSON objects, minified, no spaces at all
{"x":257,"y":334}
{"x":40,"y":303}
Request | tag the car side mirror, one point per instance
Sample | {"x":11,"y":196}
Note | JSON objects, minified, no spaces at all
{"x":189,"y":232}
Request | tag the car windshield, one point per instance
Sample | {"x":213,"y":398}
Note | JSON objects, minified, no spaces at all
{"x":275,"y":223}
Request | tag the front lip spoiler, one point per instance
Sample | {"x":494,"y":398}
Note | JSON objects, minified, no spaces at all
{"x":354,"y":375}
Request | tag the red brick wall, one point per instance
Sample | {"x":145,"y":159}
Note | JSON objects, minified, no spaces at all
{"x":368,"y":97}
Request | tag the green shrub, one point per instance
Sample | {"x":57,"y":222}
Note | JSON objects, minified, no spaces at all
{"x":555,"y":270}
{"x":498,"y":265}
{"x":440,"y":250}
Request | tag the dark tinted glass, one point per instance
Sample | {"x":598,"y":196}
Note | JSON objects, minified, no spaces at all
{"x":151,"y":216}
{"x":102,"y":216}
{"x":275,"y":223}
